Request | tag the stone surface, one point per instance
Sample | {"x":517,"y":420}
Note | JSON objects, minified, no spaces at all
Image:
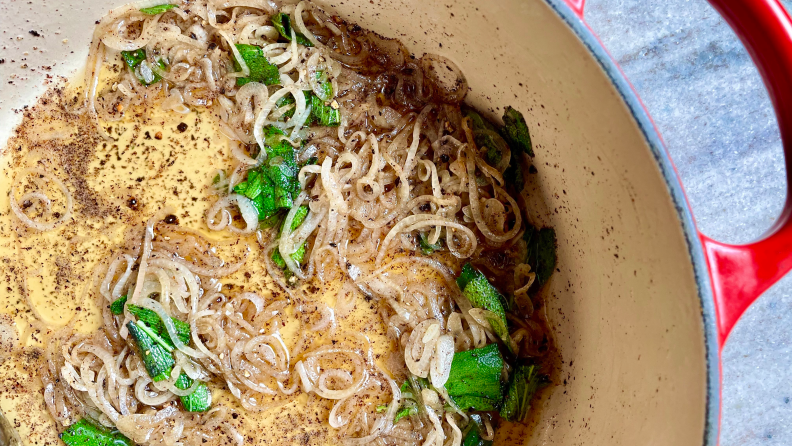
{"x":713,"y":111}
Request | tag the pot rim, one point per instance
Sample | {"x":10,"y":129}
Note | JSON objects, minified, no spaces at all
{"x":677,"y":194}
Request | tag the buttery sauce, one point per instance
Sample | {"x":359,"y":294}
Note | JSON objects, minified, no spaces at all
{"x":152,"y":160}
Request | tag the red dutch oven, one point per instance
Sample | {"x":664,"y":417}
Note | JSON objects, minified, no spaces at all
{"x":642,"y":302}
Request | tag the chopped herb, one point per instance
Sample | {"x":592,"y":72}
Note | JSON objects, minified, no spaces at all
{"x":476,"y":403}
{"x":133,"y":58}
{"x":481,"y":294}
{"x":428,"y":248}
{"x":157,"y":360}
{"x":323,"y":113}
{"x":514,"y":173}
{"x":325,"y":86}
{"x":284,"y":101}
{"x":523,"y":383}
{"x":282,"y":22}
{"x":136,"y":61}
{"x":156,"y":77}
{"x":472,"y":434}
{"x":406,"y":388}
{"x":282,"y":171}
{"x":327,"y":90}
{"x":467,"y":274}
{"x":271,"y":221}
{"x":475,"y":379}
{"x":493,"y":143}
{"x":261,"y":70}
{"x":281,"y":168}
{"x":513,"y":134}
{"x":298,"y":256}
{"x":117,"y":307}
{"x":153,"y":321}
{"x":407,"y":411}
{"x":410,"y":397}
{"x":493,"y":155}
{"x":159,"y":9}
{"x":418,"y":384}
{"x":541,"y":252}
{"x":198,"y":401}
{"x":309,"y":162}
{"x":322,"y":110}
{"x":87,"y":433}
{"x":298,"y":219}
{"x":263,"y":196}
{"x":515,"y":131}
{"x":273,"y":186}
{"x":261,"y":191}
{"x":254,"y":185}
{"x":167,"y":345}
{"x":487,"y":137}
{"x":478,"y":122}
{"x":275,"y":143}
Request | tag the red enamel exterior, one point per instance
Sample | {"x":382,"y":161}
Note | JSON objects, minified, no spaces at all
{"x":741,"y":273}
{"x":577,"y":6}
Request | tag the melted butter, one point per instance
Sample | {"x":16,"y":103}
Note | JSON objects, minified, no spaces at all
{"x":56,"y":268}
{"x":148,"y":159}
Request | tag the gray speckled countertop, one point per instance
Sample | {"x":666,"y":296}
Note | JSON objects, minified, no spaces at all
{"x":712,"y":109}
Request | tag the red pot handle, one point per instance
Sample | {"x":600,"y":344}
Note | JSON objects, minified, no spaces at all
{"x":577,"y":6}
{"x":740,"y":273}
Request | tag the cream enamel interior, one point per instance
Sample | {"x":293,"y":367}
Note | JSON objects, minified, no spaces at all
{"x":623,"y":304}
